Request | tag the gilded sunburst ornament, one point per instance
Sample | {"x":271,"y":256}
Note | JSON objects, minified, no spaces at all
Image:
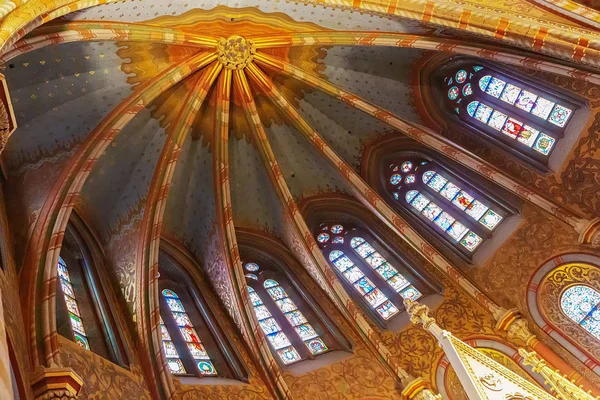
{"x":235,"y":52}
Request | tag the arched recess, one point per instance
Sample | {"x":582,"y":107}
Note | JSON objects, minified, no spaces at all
{"x":334,"y":209}
{"x":273,"y":263}
{"x":83,"y":290}
{"x":528,"y":126}
{"x":545,"y":292}
{"x":378,"y":168}
{"x":180,"y":273}
{"x":446,"y":380}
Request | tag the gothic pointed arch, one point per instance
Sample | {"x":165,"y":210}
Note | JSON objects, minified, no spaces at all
{"x":501,"y":107}
{"x":195,"y":344}
{"x":459,"y":212}
{"x":372,"y":267}
{"x":84,"y":312}
{"x":563,"y":297}
{"x":296,"y":325}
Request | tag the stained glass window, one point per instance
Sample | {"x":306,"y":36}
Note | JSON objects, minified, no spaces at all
{"x":72,"y":307}
{"x":190,"y":337}
{"x":498,"y":105}
{"x":272,"y":330}
{"x":300,"y":324}
{"x":173,"y":361}
{"x":445,"y":203}
{"x":580,"y":303}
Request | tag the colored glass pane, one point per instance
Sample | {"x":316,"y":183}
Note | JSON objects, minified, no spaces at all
{"x":490,"y":219}
{"x":386,"y":271}
{"x":395,"y":179}
{"x":512,"y":127}
{"x":497,"y":120}
{"x":337,"y":229}
{"x":419,"y":202}
{"x":170,"y":350}
{"x":428,"y":175}
{"x":323,"y":237}
{"x":406,"y":166}
{"x":375,"y":260}
{"x":356,"y":241}
{"x":410,"y":179}
{"x":528,"y":135}
{"x":286,"y":305}
{"x":278,"y":340}
{"x":476,"y":209}
{"x":262,"y":312}
{"x":175,"y":366}
{"x":431,"y":211}
{"x":510,"y":94}
{"x":173,"y":362}
{"x":289,"y":355}
{"x":444,"y":220}
{"x":67,"y":288}
{"x":72,"y":305}
{"x":580,"y":303}
{"x":169,"y":293}
{"x":437,"y":182}
{"x":560,"y":115}
{"x":251,"y":276}
{"x":375,"y":298}
{"x":462,"y":200}
{"x":174,"y":304}
{"x":467,"y":90}
{"x":526,"y":100}
{"x":164,"y":333}
{"x":305,"y":331}
{"x":364,"y":285}
{"x":397,"y":282}
{"x":182,"y":319}
{"x":544,"y":143}
{"x":206,"y":368}
{"x":316,"y":346}
{"x":256,"y":301}
{"x":277,"y":292}
{"x":471,"y":240}
{"x":252,"y":267}
{"x":450,"y":191}
{"x":77,"y":328}
{"x":76,"y":323}
{"x":338,"y":239}
{"x":269,"y":325}
{"x":495,"y":87}
{"x":197,"y":351}
{"x":472,"y":108}
{"x":542,"y":108}
{"x":483,"y":82}
{"x":457,"y":230}
{"x":353,"y":274}
{"x":483,"y":113}
{"x":387,"y":309}
{"x":365,"y":249}
{"x":343,"y":263}
{"x":270,"y":283}
{"x":410,"y":195}
{"x":453,"y":93}
{"x":410,"y":293}
{"x":295,"y":317}
{"x":461,"y":76}
{"x":81,"y":340}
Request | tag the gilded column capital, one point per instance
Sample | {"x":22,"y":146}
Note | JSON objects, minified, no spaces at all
{"x":515,"y":326}
{"x":56,"y":384}
{"x":419,"y":313}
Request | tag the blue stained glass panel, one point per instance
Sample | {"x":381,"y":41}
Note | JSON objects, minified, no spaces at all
{"x":262,"y":312}
{"x":270,"y":283}
{"x":174,"y":304}
{"x":323,"y":237}
{"x":406,"y":166}
{"x":251,"y":276}
{"x":470,"y":241}
{"x":490,"y":219}
{"x":419,"y":202}
{"x":444,"y":220}
{"x":256,"y":301}
{"x":580,"y":303}
{"x":542,"y":108}
{"x":560,"y":115}
{"x":343,"y":263}
{"x":476,"y":209}
{"x":365,"y":250}
{"x":338,"y":239}
{"x":375,"y":298}
{"x":450,"y":191}
{"x":316,"y":346}
{"x":483,"y":113}
{"x":467,"y":90}
{"x":472,"y":108}
{"x":592,"y":325}
{"x":453,"y":93}
{"x":387,"y":310}
{"x":182,"y":319}
{"x":387,"y":271}
{"x":269,"y":325}
{"x":461,"y":76}
{"x":252,"y":267}
{"x":337,"y":229}
{"x":495,"y":87}
{"x":305,"y":331}
{"x":296,"y":317}
{"x":510,"y":94}
{"x":397,"y":282}
{"x":289,"y":355}
{"x":477,"y":68}
{"x":544,"y":144}
{"x":364,"y":285}
{"x":528,"y":135}
{"x":286,"y":305}
{"x":395,"y":179}
{"x":410,"y":195}
{"x":431,"y":211}
{"x":277,"y":292}
{"x":375,"y":260}
{"x":457,"y":230}
{"x":410,"y":293}
{"x":428,"y":175}
{"x":483,"y":82}
{"x":410,"y":179}
{"x":278,"y":340}
{"x":206,"y":368}
{"x":356,"y":241}
{"x":437,"y":182}
{"x":526,"y":100}
{"x":169,"y":293}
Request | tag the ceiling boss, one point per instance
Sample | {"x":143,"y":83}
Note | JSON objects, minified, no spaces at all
{"x":235,"y":52}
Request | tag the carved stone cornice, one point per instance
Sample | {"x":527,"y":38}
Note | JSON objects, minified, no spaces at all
{"x":56,"y":384}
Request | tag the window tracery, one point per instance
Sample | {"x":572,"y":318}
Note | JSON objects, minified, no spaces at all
{"x":364,"y":268}
{"x":75,"y":319}
{"x":291,"y":334}
{"x":520,"y":114}
{"x":450,"y":206}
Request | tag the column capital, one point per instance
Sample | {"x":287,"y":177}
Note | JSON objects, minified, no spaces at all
{"x":590,"y":234}
{"x":419,"y":389}
{"x":56,"y":383}
{"x":419,"y":313}
{"x":515,"y":326}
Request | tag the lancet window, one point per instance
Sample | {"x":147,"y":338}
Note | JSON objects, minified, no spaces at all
{"x":451,"y":207}
{"x":527,"y":117}
{"x":292,"y":328}
{"x":75,"y":319}
{"x":580,"y":303}
{"x":358,"y":259}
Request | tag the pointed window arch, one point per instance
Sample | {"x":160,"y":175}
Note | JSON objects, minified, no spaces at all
{"x":83,"y":313}
{"x":371,"y":275}
{"x":291,"y":326}
{"x":193,"y":343}
{"x":451,"y":208}
{"x":520,"y":114}
{"x":580,"y":303}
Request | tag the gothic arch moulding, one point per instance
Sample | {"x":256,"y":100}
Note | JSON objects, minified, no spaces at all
{"x":544,"y":295}
{"x":383,"y":153}
{"x":446,"y":380}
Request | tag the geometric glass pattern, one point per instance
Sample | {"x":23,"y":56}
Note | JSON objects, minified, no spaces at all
{"x":271,"y":328}
{"x":173,"y":361}
{"x":72,"y":307}
{"x":514,"y":128}
{"x":190,"y":336}
{"x":381,"y":265}
{"x":363,"y":285}
{"x":295,"y":317}
{"x":580,"y":303}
